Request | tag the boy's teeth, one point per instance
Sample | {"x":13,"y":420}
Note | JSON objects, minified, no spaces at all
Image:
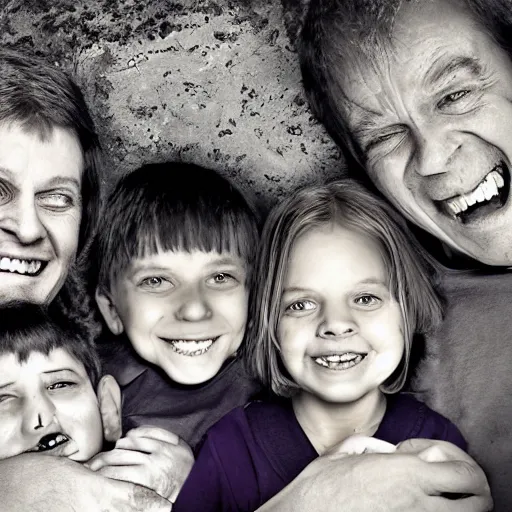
{"x":20,"y":266}
{"x":191,"y":347}
{"x":486,"y":190}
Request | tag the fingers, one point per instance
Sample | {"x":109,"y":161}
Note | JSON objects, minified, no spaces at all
{"x":469,"y":504}
{"x":355,"y":445}
{"x":117,"y":457}
{"x":455,"y":477}
{"x":156,"y":433}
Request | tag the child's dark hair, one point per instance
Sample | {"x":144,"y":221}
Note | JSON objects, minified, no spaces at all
{"x":26,"y":328}
{"x":171,"y":207}
{"x":411,"y":272}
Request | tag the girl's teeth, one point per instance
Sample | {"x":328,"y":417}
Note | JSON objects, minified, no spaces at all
{"x":341,"y":361}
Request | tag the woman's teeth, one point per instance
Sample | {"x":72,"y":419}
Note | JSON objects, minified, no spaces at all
{"x":487,"y":189}
{"x":191,"y":347}
{"x":340,"y":361}
{"x":29,"y":267}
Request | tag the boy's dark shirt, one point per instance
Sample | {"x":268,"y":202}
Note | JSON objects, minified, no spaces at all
{"x":151,"y":398}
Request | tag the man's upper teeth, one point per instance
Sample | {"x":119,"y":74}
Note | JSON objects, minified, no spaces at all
{"x":20,"y":266}
{"x":486,"y":190}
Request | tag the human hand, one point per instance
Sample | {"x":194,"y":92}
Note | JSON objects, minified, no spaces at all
{"x":38,"y":483}
{"x":357,"y":445}
{"x":392,"y":482}
{"x":149,"y":456}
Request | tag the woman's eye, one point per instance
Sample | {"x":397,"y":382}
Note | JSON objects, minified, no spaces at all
{"x":301,"y":305}
{"x":5,"y":398}
{"x":56,"y":201}
{"x":367,"y":300}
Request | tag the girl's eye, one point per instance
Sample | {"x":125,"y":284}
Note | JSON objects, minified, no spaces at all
{"x":56,"y":201}
{"x":60,"y":385}
{"x":367,"y":300}
{"x":301,"y":305}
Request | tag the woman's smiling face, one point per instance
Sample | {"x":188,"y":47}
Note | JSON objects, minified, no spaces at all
{"x":40,"y":211}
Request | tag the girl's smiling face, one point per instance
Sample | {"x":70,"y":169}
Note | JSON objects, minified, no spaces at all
{"x":341,"y":330}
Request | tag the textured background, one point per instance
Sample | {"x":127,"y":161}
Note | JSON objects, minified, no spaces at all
{"x":215,"y":83}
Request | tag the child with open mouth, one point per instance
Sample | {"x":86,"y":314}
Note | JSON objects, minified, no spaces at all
{"x":342,"y":291}
{"x":54,"y":400}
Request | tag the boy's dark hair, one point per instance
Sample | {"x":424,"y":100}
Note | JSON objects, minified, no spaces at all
{"x":333,"y":34}
{"x":26,"y":328}
{"x":172,"y":206}
{"x":40,"y":96}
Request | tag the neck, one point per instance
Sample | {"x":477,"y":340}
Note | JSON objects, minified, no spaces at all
{"x":327,"y":424}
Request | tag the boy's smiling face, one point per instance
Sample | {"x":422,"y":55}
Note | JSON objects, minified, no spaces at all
{"x":185,"y":312}
{"x":48,"y":405}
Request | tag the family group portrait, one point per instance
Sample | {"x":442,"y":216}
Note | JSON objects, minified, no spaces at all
{"x":255,"y":255}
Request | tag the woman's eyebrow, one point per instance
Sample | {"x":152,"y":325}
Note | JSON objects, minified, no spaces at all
{"x":444,"y":67}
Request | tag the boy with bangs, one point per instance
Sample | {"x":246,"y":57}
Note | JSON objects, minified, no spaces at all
{"x":175,"y":261}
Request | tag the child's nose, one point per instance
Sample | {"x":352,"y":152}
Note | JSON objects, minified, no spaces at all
{"x":40,"y":412}
{"x":337,"y":322}
{"x":194,"y":306}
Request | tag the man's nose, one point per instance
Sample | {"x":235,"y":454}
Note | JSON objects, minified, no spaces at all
{"x":437,"y":150}
{"x":23,"y":221}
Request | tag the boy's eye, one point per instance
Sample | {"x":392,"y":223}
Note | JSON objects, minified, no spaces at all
{"x":5,"y":398}
{"x":367,"y":300}
{"x":60,"y":385}
{"x":155,"y":282}
{"x":301,"y":305}
{"x":222,"y":279}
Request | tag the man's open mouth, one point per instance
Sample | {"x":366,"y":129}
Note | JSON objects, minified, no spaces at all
{"x":340,"y":361}
{"x":191,"y":347}
{"x":50,"y":442}
{"x":488,"y":196}
{"x":22,"y":267}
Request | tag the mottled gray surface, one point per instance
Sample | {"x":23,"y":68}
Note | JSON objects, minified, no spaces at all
{"x":216,"y":83}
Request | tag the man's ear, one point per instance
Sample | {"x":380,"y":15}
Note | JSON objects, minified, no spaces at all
{"x":109,"y":399}
{"x":108,"y":311}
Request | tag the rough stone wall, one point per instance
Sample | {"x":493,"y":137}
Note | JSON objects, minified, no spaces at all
{"x":216,"y":83}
